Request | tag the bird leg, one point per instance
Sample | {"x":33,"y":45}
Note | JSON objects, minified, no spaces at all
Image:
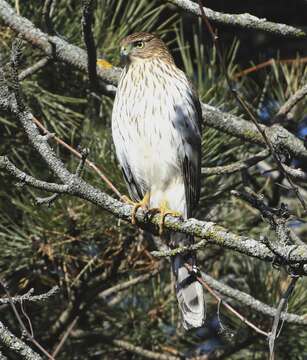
{"x":164,"y":210}
{"x":144,"y":204}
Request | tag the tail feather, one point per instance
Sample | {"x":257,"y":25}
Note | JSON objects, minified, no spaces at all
{"x":189,"y":293}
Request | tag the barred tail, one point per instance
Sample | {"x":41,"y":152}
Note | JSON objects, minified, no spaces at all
{"x":189,"y":291}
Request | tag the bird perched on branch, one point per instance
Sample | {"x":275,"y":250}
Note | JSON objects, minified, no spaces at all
{"x":157,"y":135}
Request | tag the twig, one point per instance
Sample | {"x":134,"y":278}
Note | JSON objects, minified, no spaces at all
{"x":127,"y":284}
{"x":296,"y":173}
{"x":22,"y":325}
{"x":245,"y":21}
{"x":245,"y":107}
{"x":221,"y":301}
{"x":245,"y":130}
{"x":79,"y":155}
{"x":29,"y":297}
{"x":84,"y":154}
{"x":46,"y":14}
{"x":87,"y":19}
{"x":47,"y":200}
{"x":269,"y":63}
{"x":65,"y":336}
{"x":180,"y":249}
{"x":237,"y":166}
{"x":283,"y":301}
{"x":24,"y":178}
{"x":17,"y":7}
{"x":28,"y":319}
{"x":143,"y":352}
{"x":289,"y":104}
{"x":34,"y":68}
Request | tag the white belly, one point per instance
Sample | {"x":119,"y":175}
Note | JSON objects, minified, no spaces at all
{"x":149,"y":125}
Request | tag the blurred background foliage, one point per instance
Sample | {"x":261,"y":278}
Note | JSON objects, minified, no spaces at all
{"x":86,"y":251}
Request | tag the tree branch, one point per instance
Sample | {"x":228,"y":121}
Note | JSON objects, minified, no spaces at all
{"x":209,"y":231}
{"x":53,"y":46}
{"x":23,"y":178}
{"x":245,"y":21}
{"x":289,"y":104}
{"x":127,"y":284}
{"x":34,"y":68}
{"x":74,"y":56}
{"x":143,"y":352}
{"x":283,"y":301}
{"x":29,"y":297}
{"x":251,"y":302}
{"x":222,"y":301}
{"x":17,"y":345}
{"x":279,"y":137}
{"x":87,"y":19}
{"x":237,"y":166}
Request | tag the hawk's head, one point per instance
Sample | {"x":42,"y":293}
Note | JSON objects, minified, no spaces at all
{"x":143,"y":46}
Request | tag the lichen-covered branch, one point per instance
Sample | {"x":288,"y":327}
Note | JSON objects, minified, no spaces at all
{"x":280,"y":138}
{"x":245,"y":21}
{"x":53,"y":46}
{"x":61,"y":50}
{"x":237,"y":166}
{"x":17,"y":345}
{"x":30,"y":297}
{"x":209,"y":231}
{"x":290,"y":103}
{"x":251,"y":302}
{"x":23,"y":178}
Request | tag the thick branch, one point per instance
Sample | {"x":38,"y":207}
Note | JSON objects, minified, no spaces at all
{"x":245,"y":130}
{"x":244,"y":21}
{"x":15,"y":344}
{"x":52,"y":46}
{"x":206,"y":230}
{"x":211,"y":232}
{"x":251,"y":302}
{"x":76,"y":57}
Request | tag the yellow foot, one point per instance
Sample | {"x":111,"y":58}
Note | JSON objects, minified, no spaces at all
{"x":136,"y":205}
{"x":164,"y":210}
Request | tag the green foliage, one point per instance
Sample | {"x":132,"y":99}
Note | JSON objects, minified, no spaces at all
{"x":84,"y":250}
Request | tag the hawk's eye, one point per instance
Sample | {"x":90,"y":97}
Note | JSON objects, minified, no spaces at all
{"x":139,"y":44}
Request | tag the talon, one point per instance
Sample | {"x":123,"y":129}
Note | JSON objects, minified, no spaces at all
{"x":164,"y":211}
{"x":136,"y":205}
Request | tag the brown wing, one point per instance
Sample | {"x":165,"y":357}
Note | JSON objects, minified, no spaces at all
{"x":188,"y":122}
{"x":192,"y":161}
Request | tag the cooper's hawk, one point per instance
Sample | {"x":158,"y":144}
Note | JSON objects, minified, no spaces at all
{"x":157,"y":135}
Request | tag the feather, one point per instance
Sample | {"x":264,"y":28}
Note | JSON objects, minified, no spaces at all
{"x":157,"y":135}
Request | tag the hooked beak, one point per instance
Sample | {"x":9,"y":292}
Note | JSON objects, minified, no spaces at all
{"x":124,"y":55}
